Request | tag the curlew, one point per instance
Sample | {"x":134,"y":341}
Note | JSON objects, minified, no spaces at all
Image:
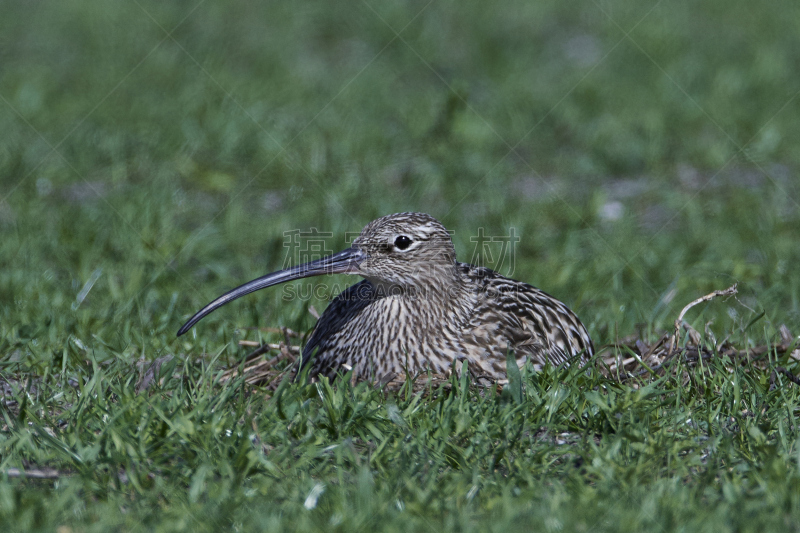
{"x":418,"y":309}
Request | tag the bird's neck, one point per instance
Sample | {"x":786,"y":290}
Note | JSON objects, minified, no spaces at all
{"x":445,"y":289}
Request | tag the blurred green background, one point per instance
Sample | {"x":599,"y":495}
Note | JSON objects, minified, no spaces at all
{"x":153,"y":154}
{"x":646,"y":154}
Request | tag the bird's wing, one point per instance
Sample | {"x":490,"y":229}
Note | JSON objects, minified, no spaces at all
{"x":533,"y":323}
{"x":342,"y":309}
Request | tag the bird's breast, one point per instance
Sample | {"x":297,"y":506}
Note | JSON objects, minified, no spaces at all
{"x":392,"y":334}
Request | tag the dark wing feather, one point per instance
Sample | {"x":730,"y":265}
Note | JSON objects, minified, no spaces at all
{"x":347,"y":305}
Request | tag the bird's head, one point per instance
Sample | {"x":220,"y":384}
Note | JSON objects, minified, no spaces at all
{"x":400,"y":252}
{"x":405,"y":250}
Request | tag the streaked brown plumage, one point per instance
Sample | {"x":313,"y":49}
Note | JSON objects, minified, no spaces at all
{"x":419,"y":309}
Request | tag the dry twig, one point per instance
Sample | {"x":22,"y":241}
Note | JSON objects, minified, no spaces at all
{"x":35,"y":473}
{"x":730,"y":291}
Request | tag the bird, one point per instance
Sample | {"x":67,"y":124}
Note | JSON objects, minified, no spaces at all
{"x":419,"y":310}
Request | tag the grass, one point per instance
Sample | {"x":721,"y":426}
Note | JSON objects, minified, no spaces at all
{"x":154,"y":154}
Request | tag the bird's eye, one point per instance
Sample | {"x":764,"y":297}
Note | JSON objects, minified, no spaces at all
{"x":402,"y":242}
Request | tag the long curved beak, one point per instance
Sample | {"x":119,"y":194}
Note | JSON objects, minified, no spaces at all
{"x":344,"y":262}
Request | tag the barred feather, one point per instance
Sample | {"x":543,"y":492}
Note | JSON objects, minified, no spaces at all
{"x":419,"y":309}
